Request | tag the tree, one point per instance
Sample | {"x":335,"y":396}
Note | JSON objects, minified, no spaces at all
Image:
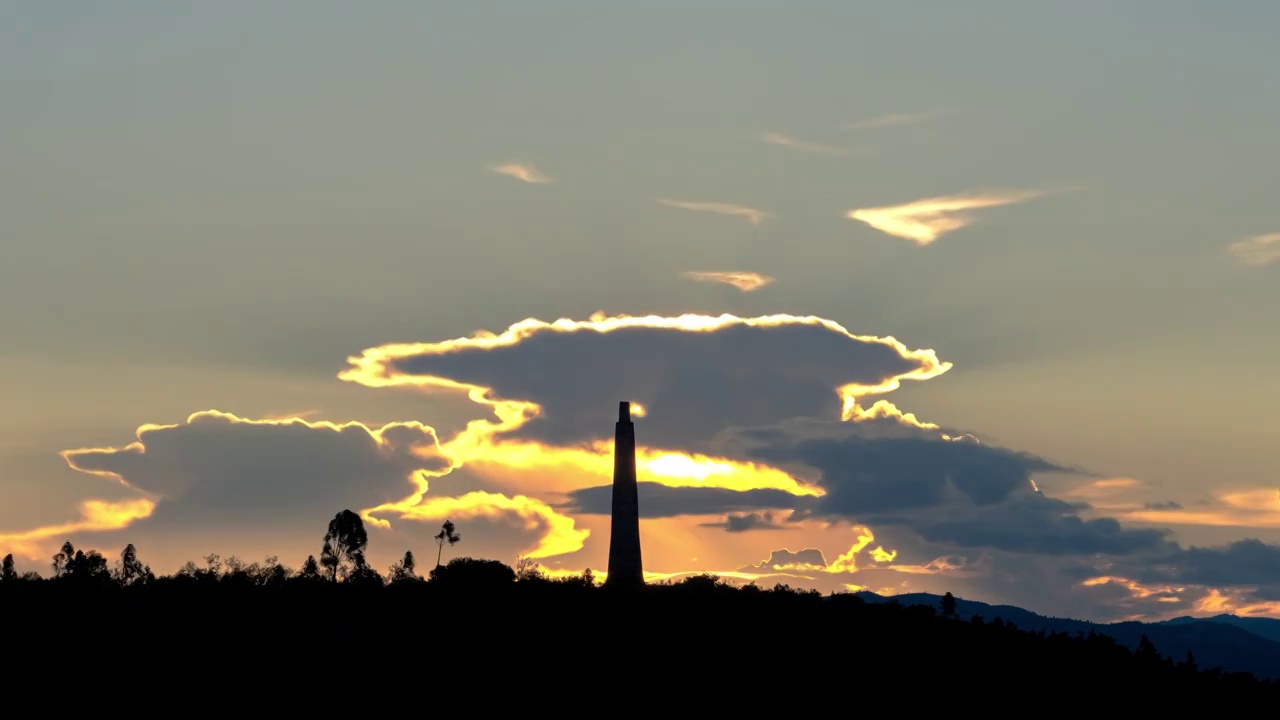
{"x":80,"y":566}
{"x":1147,"y":650}
{"x":62,"y":558}
{"x":948,"y":605}
{"x":7,"y":573}
{"x":129,"y":570}
{"x":344,"y":545}
{"x":473,"y":575}
{"x":527,"y":569}
{"x":448,"y":535}
{"x":403,"y":570}
{"x":310,"y":569}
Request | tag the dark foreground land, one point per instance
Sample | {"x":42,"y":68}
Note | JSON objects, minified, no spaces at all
{"x":475,"y":623}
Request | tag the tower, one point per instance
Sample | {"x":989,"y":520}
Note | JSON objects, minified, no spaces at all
{"x":625,"y":568}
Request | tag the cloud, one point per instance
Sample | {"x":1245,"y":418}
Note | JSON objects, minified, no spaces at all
{"x":877,"y":477}
{"x":891,"y":119}
{"x":1039,"y":525}
{"x":752,"y":215}
{"x":792,"y":143}
{"x":658,"y":500}
{"x":557,"y":382}
{"x":521,"y":171}
{"x":1244,"y":508}
{"x":224,"y":475}
{"x":811,"y":560}
{"x":95,"y":516}
{"x":1248,"y":562}
{"x":806,"y":560}
{"x":924,"y":221}
{"x":1256,"y":251}
{"x":748,"y":521}
{"x":744,"y":281}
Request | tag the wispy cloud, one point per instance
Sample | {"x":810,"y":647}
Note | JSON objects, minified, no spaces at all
{"x":803,"y":146}
{"x":520,"y":171}
{"x":1256,"y":251}
{"x":752,"y":215}
{"x":924,"y":221}
{"x":889,"y":119}
{"x":744,"y":281}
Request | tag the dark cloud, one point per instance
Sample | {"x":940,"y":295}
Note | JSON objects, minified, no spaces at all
{"x":223,"y":469}
{"x":748,"y":521}
{"x":227,"y":484}
{"x":1171,"y":505}
{"x":1033,"y":523}
{"x":1249,"y":562}
{"x":866,"y":478}
{"x":809,"y":559}
{"x":658,"y":500}
{"x":693,"y":384}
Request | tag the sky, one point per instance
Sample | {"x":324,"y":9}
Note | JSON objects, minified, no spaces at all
{"x":932,"y":297}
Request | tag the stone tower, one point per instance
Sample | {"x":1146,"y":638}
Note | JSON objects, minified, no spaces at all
{"x":625,"y":568}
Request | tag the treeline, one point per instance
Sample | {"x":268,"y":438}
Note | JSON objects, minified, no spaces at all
{"x":484,"y":619}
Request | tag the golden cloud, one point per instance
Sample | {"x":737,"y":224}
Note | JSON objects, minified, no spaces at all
{"x":792,"y":143}
{"x":924,"y":221}
{"x":744,"y":281}
{"x":520,"y":171}
{"x":891,"y":119}
{"x":95,"y":515}
{"x":1256,"y":251}
{"x":750,"y":214}
{"x":1252,"y":508}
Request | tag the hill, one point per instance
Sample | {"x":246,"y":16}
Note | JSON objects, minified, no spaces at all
{"x":1226,"y":641}
{"x":1268,"y":628}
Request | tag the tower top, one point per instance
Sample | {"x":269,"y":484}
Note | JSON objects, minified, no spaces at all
{"x":624,"y":411}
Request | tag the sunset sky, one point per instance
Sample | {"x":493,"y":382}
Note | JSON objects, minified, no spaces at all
{"x":975,"y":297}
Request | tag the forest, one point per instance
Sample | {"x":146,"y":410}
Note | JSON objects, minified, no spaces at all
{"x":470,"y":614}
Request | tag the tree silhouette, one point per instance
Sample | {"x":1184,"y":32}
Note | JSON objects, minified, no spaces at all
{"x":1147,"y":650}
{"x":403,"y":570}
{"x":129,"y":570}
{"x":63,"y":557}
{"x":527,"y":569}
{"x":310,"y":569}
{"x":448,"y":535}
{"x":948,"y":605}
{"x":344,"y":545}
{"x":7,"y":573}
{"x":82,"y":566}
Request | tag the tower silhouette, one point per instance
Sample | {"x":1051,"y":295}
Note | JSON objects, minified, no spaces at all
{"x":625,"y":567}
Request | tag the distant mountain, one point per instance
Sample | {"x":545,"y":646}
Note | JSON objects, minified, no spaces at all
{"x":1268,"y":628}
{"x":1232,"y":643}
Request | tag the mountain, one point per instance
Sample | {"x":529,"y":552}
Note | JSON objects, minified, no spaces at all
{"x":1268,"y":628}
{"x":1232,"y":643}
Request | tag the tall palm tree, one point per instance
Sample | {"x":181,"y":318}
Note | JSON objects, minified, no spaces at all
{"x":448,"y":535}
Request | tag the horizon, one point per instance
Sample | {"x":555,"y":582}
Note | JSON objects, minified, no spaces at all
{"x":935,"y":299}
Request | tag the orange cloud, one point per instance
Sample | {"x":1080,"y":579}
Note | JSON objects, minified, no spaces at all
{"x":1161,"y":593}
{"x":752,"y":215}
{"x":1216,"y":603}
{"x":1252,"y":508}
{"x":520,"y":171}
{"x":924,"y":221}
{"x":1256,"y":251}
{"x":792,"y":143}
{"x":95,"y":515}
{"x":744,"y":281}
{"x":559,"y":536}
{"x":890,"y":119}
